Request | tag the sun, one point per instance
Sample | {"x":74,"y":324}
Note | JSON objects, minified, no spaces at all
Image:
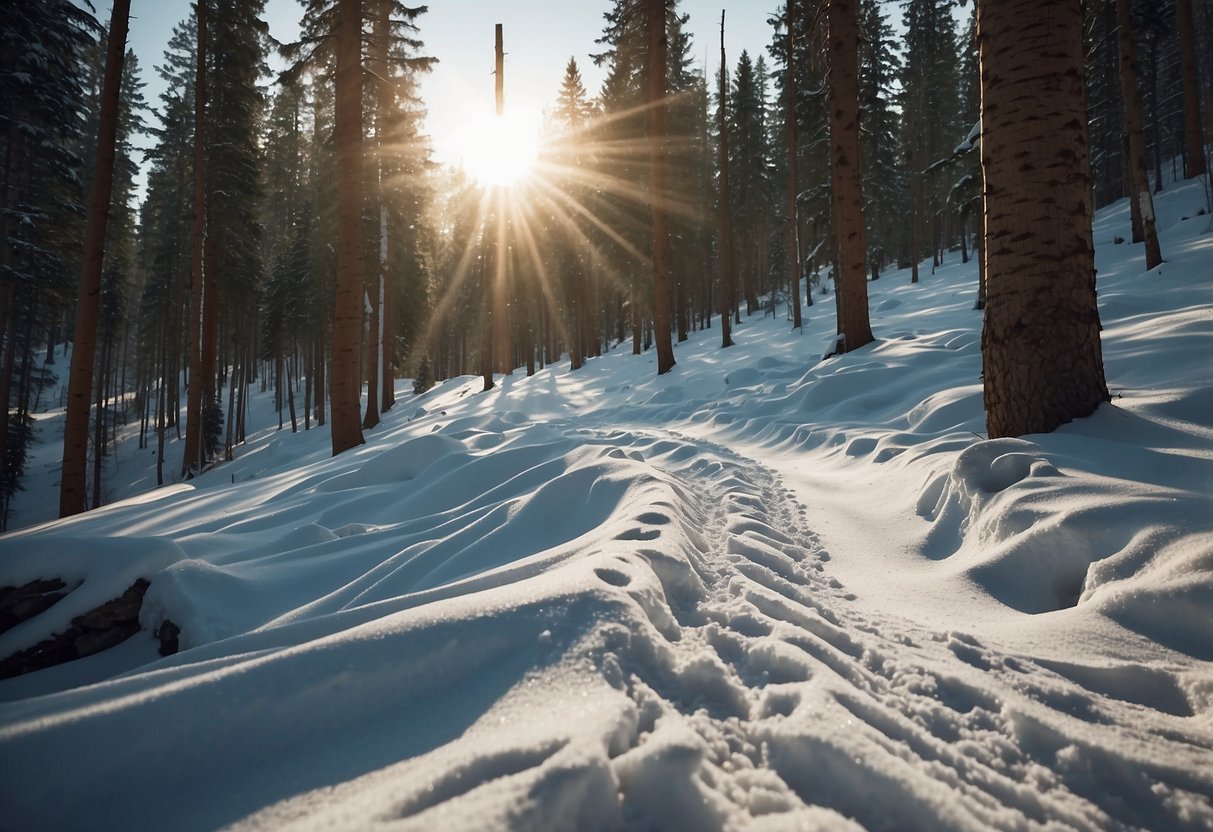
{"x":499,"y":151}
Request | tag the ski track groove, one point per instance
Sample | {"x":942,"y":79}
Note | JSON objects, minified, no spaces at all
{"x":789,"y":638}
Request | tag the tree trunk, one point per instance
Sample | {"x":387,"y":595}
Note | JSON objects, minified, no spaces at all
{"x":1042,"y":360}
{"x":193,"y":402}
{"x":1194,"y":143}
{"x":347,"y":309}
{"x":658,"y":50}
{"x":503,"y":351}
{"x":728,"y":284}
{"x":1139,"y":183}
{"x":851,"y":279}
{"x":793,"y":131}
{"x":80,"y":384}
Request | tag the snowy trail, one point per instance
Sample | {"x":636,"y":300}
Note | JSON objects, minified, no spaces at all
{"x":760,"y":592}
{"x":755,"y":691}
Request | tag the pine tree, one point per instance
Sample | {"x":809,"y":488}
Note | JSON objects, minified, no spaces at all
{"x":728,"y":261}
{"x":656,"y":76}
{"x":753,"y":188}
{"x":43,"y":71}
{"x":1144,"y":229}
{"x":1194,"y":144}
{"x":930,"y":125}
{"x":75,"y":432}
{"x":846,"y":165}
{"x":883,"y":177}
{"x":347,"y":310}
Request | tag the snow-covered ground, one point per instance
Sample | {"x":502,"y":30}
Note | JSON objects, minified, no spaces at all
{"x":762,"y":591}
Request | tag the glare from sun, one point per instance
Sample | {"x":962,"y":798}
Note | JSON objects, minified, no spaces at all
{"x":500,"y":151}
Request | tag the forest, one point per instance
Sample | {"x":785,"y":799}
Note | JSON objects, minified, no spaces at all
{"x":813,"y":435}
{"x":295,"y":234}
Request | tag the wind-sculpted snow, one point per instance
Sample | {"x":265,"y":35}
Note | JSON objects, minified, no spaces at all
{"x":762,"y":592}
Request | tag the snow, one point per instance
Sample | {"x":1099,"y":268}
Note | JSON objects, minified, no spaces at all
{"x":762,"y":591}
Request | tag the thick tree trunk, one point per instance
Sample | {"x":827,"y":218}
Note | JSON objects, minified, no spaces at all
{"x":1042,"y":360}
{"x":793,"y":136}
{"x":80,"y":384}
{"x":851,"y":280}
{"x":658,"y":51}
{"x":728,"y":280}
{"x":1194,"y":143}
{"x":1139,"y":183}
{"x":347,"y":309}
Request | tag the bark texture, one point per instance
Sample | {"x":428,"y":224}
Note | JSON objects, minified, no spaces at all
{"x":344,"y":383}
{"x":1042,"y":360}
{"x":84,"y":344}
{"x":657,"y":60}
{"x":851,"y":285}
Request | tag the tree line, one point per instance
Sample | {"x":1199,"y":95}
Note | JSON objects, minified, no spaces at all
{"x":296,"y":236}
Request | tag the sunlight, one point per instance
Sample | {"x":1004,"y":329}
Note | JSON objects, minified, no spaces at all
{"x":500,"y":151}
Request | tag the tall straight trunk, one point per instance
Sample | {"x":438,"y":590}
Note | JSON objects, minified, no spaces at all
{"x":290,"y":391}
{"x":486,"y":330}
{"x":387,"y":354}
{"x":193,"y":402}
{"x":210,"y":327}
{"x":310,"y":352}
{"x":161,"y":399}
{"x":503,"y":350}
{"x":1042,"y":360}
{"x":793,"y":136}
{"x":658,"y":51}
{"x":1139,"y":183}
{"x":851,"y":279}
{"x":1155,"y":124}
{"x":373,"y":351}
{"x":915,"y":223}
{"x":321,"y":364}
{"x":80,"y":384}
{"x":99,"y":426}
{"x":241,"y":396}
{"x":637,"y":320}
{"x":1194,"y":143}
{"x":728,"y":278}
{"x":375,"y":344}
{"x":347,"y":308}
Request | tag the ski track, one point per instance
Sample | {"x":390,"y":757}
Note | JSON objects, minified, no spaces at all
{"x":938,"y":715}
{"x":759,"y":695}
{"x":550,"y":619}
{"x":724,"y":679}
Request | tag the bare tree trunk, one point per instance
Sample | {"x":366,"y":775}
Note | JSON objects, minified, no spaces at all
{"x":80,"y":384}
{"x":347,"y":309}
{"x":1194,"y":143}
{"x":161,"y":402}
{"x":503,"y":350}
{"x":193,"y":402}
{"x":1139,"y":183}
{"x":728,"y":278}
{"x":1042,"y":361}
{"x":793,"y":131}
{"x":657,"y":59}
{"x":851,"y":279}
